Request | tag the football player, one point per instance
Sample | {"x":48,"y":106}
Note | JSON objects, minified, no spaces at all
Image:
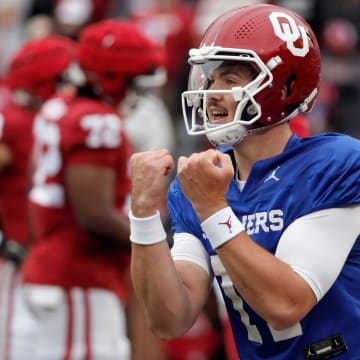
{"x":273,"y":217}
{"x":31,"y":81}
{"x":76,"y":273}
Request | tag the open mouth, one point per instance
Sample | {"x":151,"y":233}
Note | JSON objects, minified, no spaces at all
{"x":218,"y":116}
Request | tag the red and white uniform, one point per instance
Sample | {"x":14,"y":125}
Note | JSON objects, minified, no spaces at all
{"x":15,"y":133}
{"x":74,"y":280}
{"x":5,"y":94}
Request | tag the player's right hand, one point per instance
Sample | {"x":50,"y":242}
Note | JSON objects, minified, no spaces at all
{"x":147,"y":172}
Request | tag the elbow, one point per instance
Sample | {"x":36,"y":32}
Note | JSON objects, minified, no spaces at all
{"x":168,"y":327}
{"x":164,"y":333}
{"x":91,"y":222}
{"x":290,"y":312}
{"x":285,"y":318}
{"x":169,"y":330}
{"x":282,"y":324}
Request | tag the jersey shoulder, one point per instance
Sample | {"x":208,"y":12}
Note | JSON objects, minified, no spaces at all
{"x":332,"y":144}
{"x":85,"y":122}
{"x":15,"y":122}
{"x":81,"y":106}
{"x":330,"y":152}
{"x":328,"y":165}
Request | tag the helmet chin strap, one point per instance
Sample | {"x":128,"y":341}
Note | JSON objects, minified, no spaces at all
{"x":234,"y":134}
{"x":300,"y":109}
{"x":228,"y":136}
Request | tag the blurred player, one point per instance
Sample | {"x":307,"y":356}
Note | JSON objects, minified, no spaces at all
{"x":76,"y":273}
{"x":144,"y":101}
{"x":170,"y":22}
{"x":31,"y":81}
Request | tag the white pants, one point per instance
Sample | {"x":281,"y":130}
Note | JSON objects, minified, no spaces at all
{"x":53,"y":324}
{"x":9,"y":280}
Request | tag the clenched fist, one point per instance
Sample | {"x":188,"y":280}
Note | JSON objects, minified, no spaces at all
{"x":147,"y":171}
{"x":205,"y":178}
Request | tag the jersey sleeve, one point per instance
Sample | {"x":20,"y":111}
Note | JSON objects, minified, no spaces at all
{"x":317,"y":245}
{"x":334,"y":182}
{"x":189,"y":248}
{"x":15,"y":123}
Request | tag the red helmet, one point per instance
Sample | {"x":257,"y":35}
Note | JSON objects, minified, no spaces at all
{"x":279,"y":46}
{"x":37,"y":66}
{"x":117,"y":52}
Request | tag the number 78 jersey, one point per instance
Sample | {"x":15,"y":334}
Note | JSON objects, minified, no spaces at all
{"x":68,"y":132}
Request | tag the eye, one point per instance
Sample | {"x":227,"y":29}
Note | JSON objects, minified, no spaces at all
{"x":208,"y":82}
{"x":231,"y":81}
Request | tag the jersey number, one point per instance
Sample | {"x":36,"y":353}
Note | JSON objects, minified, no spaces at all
{"x":238,"y":305}
{"x":102,"y":131}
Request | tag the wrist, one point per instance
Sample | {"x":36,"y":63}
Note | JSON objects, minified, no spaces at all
{"x":206,"y":211}
{"x":143,"y":209}
{"x":221,"y":227}
{"x":146,"y":230}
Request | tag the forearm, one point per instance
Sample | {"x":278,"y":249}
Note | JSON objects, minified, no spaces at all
{"x":5,"y":156}
{"x":269,"y":286}
{"x":284,"y":287}
{"x":170,"y":294}
{"x":144,"y":345}
{"x":160,"y":290}
{"x":112,"y":226}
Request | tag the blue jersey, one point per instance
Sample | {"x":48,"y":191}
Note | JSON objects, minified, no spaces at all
{"x":311,"y":174}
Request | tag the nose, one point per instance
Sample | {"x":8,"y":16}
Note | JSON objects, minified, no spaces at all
{"x":214,"y":84}
{"x":214,"y":87}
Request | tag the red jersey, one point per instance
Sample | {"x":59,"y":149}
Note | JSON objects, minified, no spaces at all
{"x":68,"y":132}
{"x":5,"y":95}
{"x":16,"y":133}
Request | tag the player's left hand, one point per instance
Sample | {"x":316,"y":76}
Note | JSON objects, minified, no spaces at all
{"x":205,"y":178}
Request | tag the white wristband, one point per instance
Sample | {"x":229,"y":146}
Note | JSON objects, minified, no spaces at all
{"x":146,"y":231}
{"x":221,"y":227}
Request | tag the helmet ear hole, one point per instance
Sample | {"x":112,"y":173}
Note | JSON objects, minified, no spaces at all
{"x":250,"y":111}
{"x":289,"y":85}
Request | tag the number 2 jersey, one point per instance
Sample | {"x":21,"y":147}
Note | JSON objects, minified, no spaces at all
{"x":71,"y":131}
{"x":311,"y":174}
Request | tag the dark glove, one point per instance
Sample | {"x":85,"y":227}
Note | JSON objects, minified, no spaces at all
{"x":12,"y":250}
